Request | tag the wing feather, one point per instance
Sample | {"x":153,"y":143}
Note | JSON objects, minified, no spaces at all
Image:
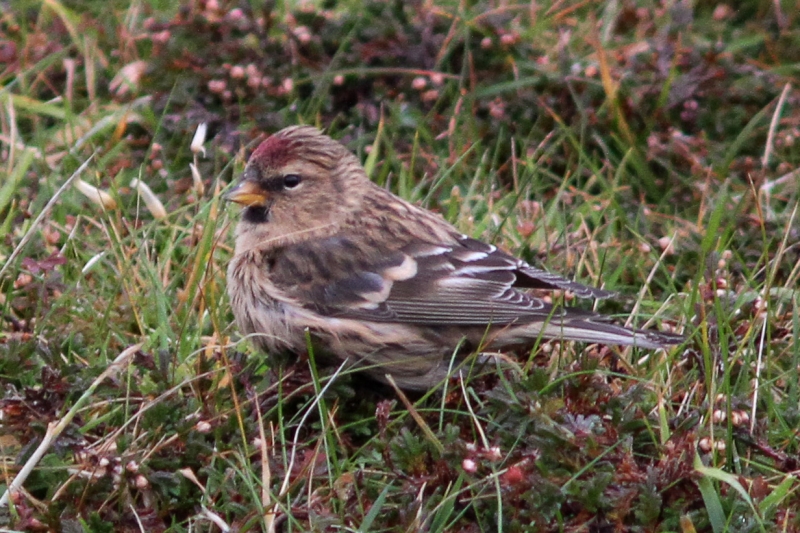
{"x":466,"y":282}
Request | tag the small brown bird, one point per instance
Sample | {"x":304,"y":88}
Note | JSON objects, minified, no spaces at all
{"x":378,"y":281}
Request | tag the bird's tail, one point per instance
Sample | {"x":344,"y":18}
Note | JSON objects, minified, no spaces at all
{"x":586,"y":326}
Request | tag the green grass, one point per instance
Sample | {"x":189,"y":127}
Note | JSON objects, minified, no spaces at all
{"x":644,"y":148}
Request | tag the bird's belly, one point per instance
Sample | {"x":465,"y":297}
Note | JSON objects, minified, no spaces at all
{"x":417,"y":357}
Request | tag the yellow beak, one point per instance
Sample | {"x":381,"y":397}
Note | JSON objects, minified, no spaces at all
{"x":248,"y":193}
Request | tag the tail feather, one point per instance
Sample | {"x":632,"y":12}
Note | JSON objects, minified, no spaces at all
{"x":598,"y":332}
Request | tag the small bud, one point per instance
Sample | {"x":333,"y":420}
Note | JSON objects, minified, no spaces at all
{"x":430,"y":96}
{"x":704,"y":444}
{"x":303,"y":34}
{"x":513,"y":476}
{"x":141,"y":482}
{"x":199,"y":138}
{"x":161,"y":37}
{"x":419,"y":83}
{"x":202,"y":427}
{"x":507,"y":39}
{"x":252,"y":71}
{"x":23,"y":280}
{"x":494,"y":453}
{"x":718,"y":416}
{"x":217,"y":86}
{"x":666,"y":244}
{"x":197,"y":180}
{"x":722,"y":12}
{"x":235,"y":15}
{"x":128,"y":78}
{"x":96,"y":195}
{"x":152,"y":202}
{"x":497,"y":108}
{"x":469,"y":466}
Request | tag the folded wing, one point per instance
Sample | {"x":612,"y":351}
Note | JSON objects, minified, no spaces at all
{"x":463,"y":283}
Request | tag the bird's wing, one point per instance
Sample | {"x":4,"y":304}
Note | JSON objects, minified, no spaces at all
{"x":463,"y":283}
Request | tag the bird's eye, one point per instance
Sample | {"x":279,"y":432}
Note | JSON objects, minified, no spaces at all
{"x":290,"y":181}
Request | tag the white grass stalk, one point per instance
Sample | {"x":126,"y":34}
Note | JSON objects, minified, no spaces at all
{"x":35,"y":225}
{"x":266,"y":474}
{"x":295,"y":441}
{"x":215,"y":519}
{"x":649,"y":280}
{"x":773,"y":125}
{"x":55,"y":428}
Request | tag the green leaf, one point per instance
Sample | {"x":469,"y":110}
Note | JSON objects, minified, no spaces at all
{"x":716,"y":516}
{"x":777,"y":495}
{"x":12,"y":180}
{"x":377,"y":507}
{"x":372,"y":158}
{"x":710,"y":496}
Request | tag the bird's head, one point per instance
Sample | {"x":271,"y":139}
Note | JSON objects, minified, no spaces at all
{"x":298,"y":180}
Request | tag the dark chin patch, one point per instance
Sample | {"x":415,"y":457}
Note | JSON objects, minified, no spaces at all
{"x":256,"y":214}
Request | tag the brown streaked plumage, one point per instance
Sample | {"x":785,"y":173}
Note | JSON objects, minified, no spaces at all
{"x":378,"y":281}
